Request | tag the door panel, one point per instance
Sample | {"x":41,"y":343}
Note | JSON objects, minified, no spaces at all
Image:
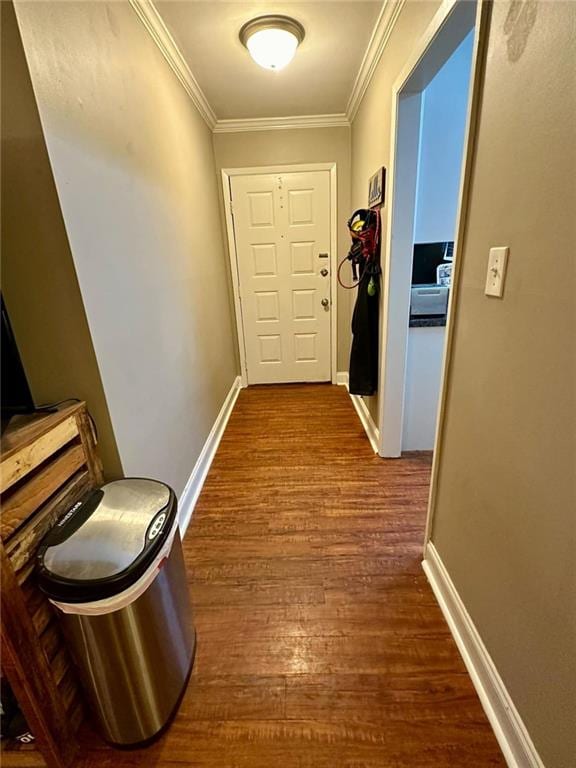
{"x":282,"y":224}
{"x":264,"y":260}
{"x":302,"y":254}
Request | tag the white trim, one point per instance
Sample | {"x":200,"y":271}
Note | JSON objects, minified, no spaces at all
{"x":227,"y":173}
{"x":477,"y":73}
{"x":282,"y":123}
{"x":378,"y":41}
{"x":394,"y":340}
{"x":397,"y":269}
{"x":362,"y":410}
{"x":515,"y":742}
{"x":189,"y":495}
{"x":154,"y":24}
{"x":367,"y":421}
{"x":229,"y":219}
{"x":156,"y":27}
{"x":333,"y":272}
{"x":252,"y":170}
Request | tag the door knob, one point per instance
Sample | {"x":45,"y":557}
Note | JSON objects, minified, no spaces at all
{"x":326,"y":304}
{"x":323,"y":272}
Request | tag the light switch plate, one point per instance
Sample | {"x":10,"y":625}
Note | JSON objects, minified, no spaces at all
{"x":497,"y":262}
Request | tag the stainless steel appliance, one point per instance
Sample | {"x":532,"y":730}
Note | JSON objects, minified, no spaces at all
{"x":113,"y":567}
{"x":428,"y":300}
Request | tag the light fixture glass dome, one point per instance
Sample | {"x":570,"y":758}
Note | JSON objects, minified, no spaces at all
{"x":272,"y":48}
{"x":272,"y":40}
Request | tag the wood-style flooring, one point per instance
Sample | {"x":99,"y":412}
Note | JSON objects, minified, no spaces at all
{"x":320,"y":643}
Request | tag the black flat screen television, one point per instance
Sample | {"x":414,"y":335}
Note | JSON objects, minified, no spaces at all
{"x":427,"y":257}
{"x":15,"y":393}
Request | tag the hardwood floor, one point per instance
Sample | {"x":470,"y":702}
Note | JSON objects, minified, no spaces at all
{"x":320,"y":643}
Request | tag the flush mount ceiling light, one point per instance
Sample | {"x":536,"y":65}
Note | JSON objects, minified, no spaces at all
{"x":272,"y":40}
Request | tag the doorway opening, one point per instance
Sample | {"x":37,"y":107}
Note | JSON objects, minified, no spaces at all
{"x":431,"y":119}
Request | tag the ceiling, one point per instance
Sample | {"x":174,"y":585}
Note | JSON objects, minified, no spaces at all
{"x":318,"y":81}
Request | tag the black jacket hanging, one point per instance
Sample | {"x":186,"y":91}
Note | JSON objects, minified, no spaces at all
{"x":364,"y":227}
{"x":363,"y":376}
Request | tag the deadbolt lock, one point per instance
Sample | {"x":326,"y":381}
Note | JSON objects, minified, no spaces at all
{"x":323,"y":272}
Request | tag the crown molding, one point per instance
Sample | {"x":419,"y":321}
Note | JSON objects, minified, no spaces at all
{"x":154,"y":24}
{"x":281,"y":123}
{"x":378,"y":41}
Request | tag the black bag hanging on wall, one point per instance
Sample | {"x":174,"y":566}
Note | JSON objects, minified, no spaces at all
{"x":364,"y":227}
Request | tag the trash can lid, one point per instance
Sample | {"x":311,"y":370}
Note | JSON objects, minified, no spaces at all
{"x":106,"y":541}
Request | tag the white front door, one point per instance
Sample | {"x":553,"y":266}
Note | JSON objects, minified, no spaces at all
{"x":282,"y":231}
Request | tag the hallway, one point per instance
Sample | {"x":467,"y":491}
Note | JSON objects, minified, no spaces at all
{"x":182,"y":198}
{"x":319,"y":640}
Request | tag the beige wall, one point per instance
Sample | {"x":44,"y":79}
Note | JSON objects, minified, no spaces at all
{"x":505,"y":514}
{"x":39,"y":281}
{"x":309,"y":145}
{"x":371,"y":126}
{"x":134,"y":168}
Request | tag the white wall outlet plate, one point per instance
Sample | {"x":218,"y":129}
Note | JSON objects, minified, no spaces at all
{"x":496,"y":271}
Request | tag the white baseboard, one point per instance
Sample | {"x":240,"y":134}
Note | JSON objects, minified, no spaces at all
{"x":367,"y":422}
{"x":189,"y":495}
{"x":514,"y":740}
{"x":363,"y":413}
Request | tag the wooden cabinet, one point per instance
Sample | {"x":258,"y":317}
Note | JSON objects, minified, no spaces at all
{"x":47,"y":463}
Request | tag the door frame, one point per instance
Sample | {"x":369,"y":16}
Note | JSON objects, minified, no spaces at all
{"x":395,"y":306}
{"x":227,"y":174}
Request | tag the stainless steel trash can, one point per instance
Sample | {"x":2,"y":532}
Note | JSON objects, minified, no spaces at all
{"x":114,"y":569}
